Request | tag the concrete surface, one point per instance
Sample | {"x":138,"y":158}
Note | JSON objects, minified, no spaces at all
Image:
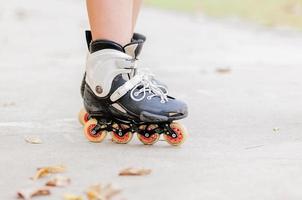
{"x":233,"y":151}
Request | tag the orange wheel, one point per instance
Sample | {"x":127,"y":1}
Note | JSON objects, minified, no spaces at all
{"x":118,"y":138}
{"x":148,"y":140}
{"x":88,"y":128}
{"x":180,"y":132}
{"x":83,"y":116}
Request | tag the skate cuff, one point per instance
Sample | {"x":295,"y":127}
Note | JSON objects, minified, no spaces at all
{"x":122,"y":90}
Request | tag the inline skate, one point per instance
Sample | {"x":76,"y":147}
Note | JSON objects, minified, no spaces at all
{"x":122,"y":99}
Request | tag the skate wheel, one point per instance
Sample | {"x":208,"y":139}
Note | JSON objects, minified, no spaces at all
{"x":148,"y":140}
{"x":180,"y":132}
{"x":83,"y":116}
{"x":121,"y":139}
{"x":88,"y":128}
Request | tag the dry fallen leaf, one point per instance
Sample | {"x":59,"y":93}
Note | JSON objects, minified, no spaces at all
{"x":44,"y":171}
{"x":72,"y":197}
{"x":93,"y":192}
{"x":58,"y":181}
{"x":9,"y":104}
{"x":134,"y":172}
{"x":223,"y":70}
{"x":33,"y":140}
{"x":97,"y":192}
{"x":54,"y":169}
{"x":27,"y":194}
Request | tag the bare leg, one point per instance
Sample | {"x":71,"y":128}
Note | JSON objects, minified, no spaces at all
{"x":111,"y":19}
{"x":135,"y":12}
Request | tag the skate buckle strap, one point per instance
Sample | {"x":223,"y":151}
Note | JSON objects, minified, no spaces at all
{"x":131,"y":63}
{"x":122,"y":90}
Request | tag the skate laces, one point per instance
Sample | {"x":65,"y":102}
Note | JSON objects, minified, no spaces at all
{"x":148,"y":85}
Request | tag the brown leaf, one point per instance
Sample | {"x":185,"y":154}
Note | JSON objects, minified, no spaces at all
{"x":58,"y":181}
{"x":72,"y":197}
{"x":223,"y":70}
{"x":97,"y":192}
{"x":9,"y":104}
{"x":93,"y":192}
{"x":27,"y":194}
{"x":134,"y":172}
{"x":40,"y":173}
{"x":44,"y":171}
{"x":33,"y":140}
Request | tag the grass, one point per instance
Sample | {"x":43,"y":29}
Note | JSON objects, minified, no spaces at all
{"x":267,"y":12}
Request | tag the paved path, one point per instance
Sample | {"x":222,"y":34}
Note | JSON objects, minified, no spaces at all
{"x":233,"y":151}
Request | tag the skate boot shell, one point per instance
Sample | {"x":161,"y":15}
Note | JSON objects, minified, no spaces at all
{"x":121,"y":99}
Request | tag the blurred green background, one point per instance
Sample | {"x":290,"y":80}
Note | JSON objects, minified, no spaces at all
{"x":267,"y":12}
